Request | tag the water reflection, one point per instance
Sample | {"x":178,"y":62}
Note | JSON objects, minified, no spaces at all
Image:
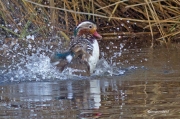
{"x":112,"y":98}
{"x":95,"y":93}
{"x":51,"y":96}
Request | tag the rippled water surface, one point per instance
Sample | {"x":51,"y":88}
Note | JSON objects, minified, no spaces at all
{"x":128,"y":83}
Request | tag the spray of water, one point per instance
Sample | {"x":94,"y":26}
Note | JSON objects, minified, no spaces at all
{"x":31,"y":61}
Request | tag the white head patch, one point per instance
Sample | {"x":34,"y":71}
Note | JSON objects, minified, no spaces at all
{"x":83,"y":23}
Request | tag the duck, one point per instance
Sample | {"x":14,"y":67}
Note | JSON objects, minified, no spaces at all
{"x":83,"y":53}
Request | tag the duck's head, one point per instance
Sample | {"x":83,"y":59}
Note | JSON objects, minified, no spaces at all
{"x":87,"y":28}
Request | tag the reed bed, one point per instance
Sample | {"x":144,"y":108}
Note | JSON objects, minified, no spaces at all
{"x":115,"y":18}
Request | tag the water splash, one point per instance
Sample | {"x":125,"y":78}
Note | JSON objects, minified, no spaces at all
{"x":104,"y":68}
{"x":34,"y":67}
{"x":33,"y":63}
{"x":27,"y":60}
{"x":38,"y":67}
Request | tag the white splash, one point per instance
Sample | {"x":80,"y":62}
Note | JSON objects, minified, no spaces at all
{"x":30,"y":37}
{"x":36,"y":67}
{"x":105,"y":69}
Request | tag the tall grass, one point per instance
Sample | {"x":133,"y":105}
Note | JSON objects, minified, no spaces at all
{"x":161,"y":18}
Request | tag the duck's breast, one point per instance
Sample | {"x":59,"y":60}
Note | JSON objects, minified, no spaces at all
{"x":93,"y":59}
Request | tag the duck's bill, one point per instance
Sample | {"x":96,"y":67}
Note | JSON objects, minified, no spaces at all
{"x":97,"y":35}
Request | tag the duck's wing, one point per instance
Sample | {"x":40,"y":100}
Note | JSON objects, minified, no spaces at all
{"x":79,"y":67}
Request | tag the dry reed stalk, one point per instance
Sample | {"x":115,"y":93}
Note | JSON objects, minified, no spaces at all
{"x":171,"y":34}
{"x":155,"y":17}
{"x":76,"y":16}
{"x":148,"y":15}
{"x":52,"y":12}
{"x":150,"y":27}
{"x":115,"y":8}
{"x":69,"y":8}
{"x":92,"y":4}
{"x":127,"y":33}
{"x":29,"y":10}
{"x":112,"y":4}
{"x":143,"y":3}
{"x":97,"y":15}
{"x":66,"y":17}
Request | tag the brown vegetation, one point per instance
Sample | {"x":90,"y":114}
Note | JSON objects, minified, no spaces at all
{"x":160,"y":18}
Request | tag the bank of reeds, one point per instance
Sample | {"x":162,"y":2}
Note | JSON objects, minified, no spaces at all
{"x":159,"y":18}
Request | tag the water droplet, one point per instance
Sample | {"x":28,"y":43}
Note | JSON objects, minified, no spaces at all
{"x":119,"y":36}
{"x":16,"y":30}
{"x":107,"y":47}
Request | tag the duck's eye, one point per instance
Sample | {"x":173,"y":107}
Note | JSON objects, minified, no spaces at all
{"x":90,"y":26}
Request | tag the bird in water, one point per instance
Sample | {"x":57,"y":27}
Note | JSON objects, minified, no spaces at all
{"x":83,"y":53}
